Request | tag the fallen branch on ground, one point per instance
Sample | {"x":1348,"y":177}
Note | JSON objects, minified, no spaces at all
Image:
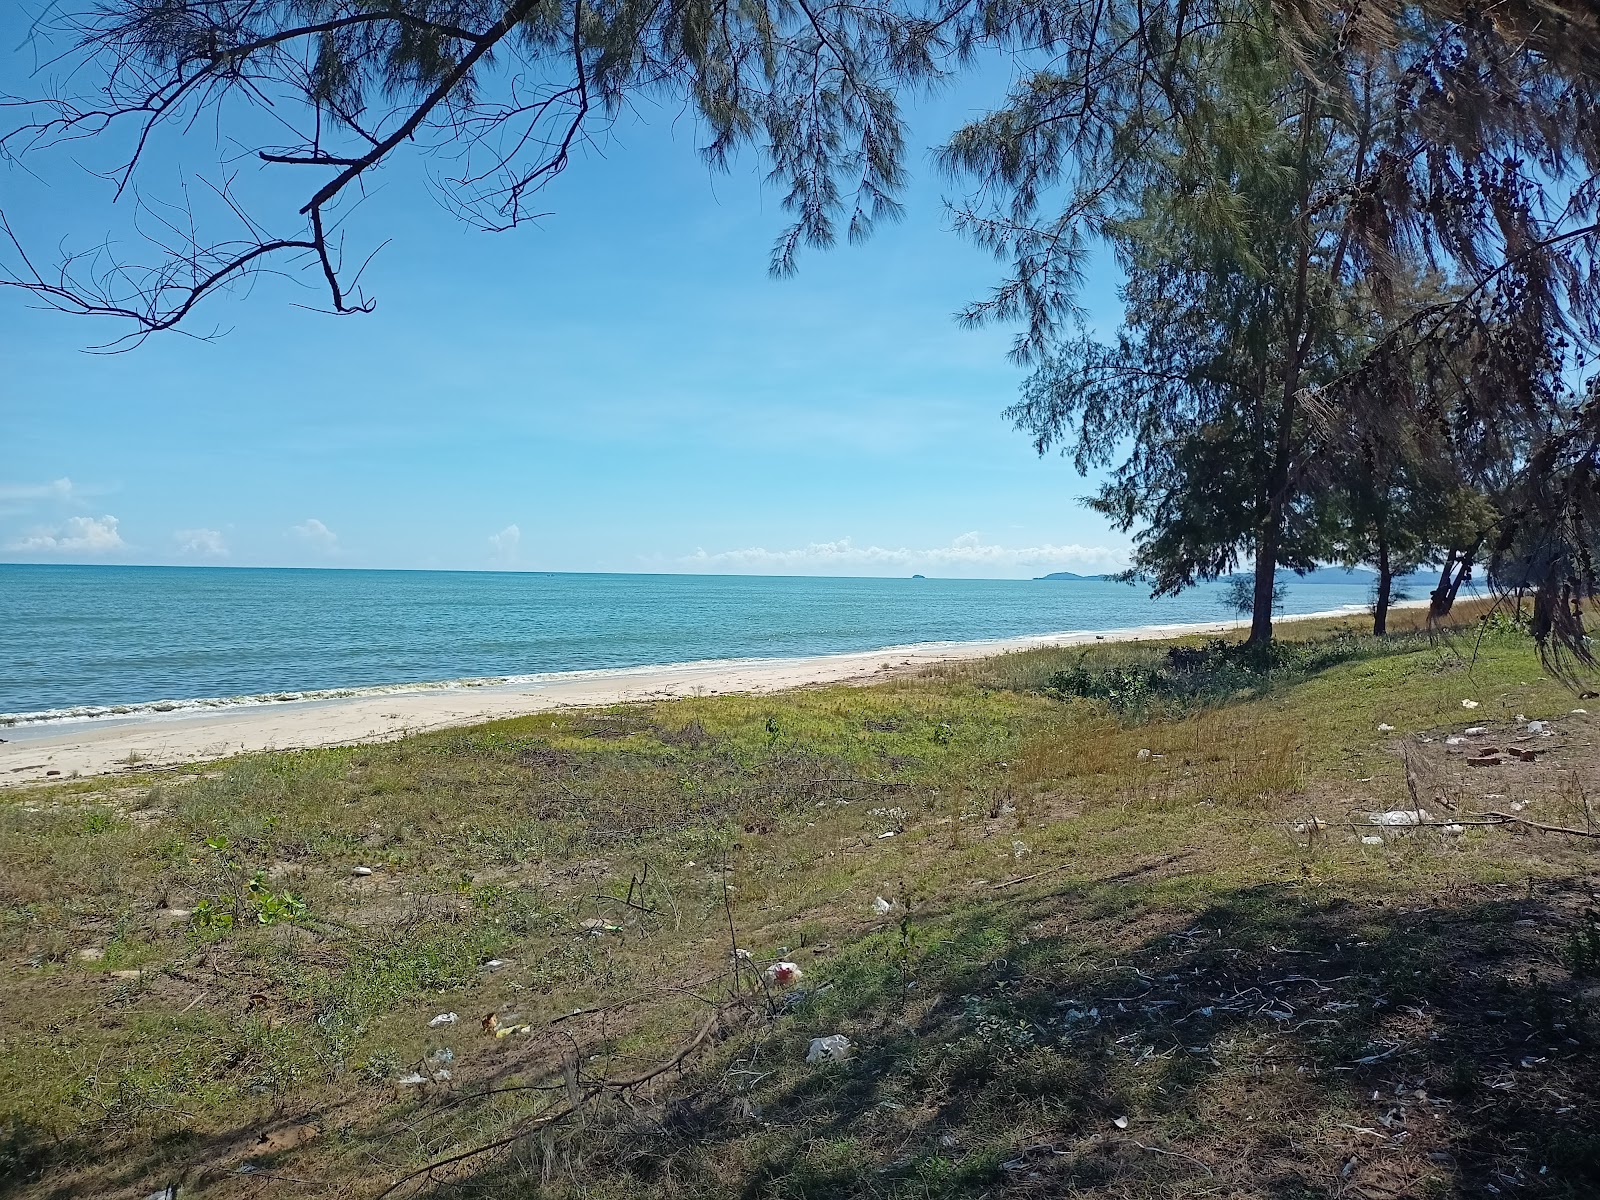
{"x":523,"y":1128}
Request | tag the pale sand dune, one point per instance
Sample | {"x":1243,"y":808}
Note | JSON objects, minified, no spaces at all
{"x":104,"y":745}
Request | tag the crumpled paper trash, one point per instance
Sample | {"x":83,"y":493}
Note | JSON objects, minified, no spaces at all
{"x":833,"y":1048}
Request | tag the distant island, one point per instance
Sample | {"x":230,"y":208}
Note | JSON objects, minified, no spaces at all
{"x":1069,"y":576}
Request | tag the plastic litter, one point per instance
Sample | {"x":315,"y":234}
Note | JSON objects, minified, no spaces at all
{"x":1120,"y":1122}
{"x":783,"y":974}
{"x":882,"y":907}
{"x":1469,"y":704}
{"x":1538,"y":726}
{"x":1453,"y":830}
{"x":1400,"y":816}
{"x":1476,"y":731}
{"x":448,"y":1018}
{"x":1019,"y":848}
{"x":415,"y":1079}
{"x":833,"y":1048}
{"x":595,"y":926}
{"x":1454,"y":740}
{"x":438,"y":1063}
{"x":1143,"y":755}
{"x":1580,"y":712}
{"x":890,"y":834}
{"x":1385,"y":728}
{"x":1372,"y":840}
{"x":505,"y":1026}
{"x":361,"y":872}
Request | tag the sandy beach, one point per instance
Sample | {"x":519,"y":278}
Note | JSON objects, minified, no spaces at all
{"x":107,"y":745}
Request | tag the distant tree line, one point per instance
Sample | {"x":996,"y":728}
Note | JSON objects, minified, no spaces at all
{"x":1358,"y":235}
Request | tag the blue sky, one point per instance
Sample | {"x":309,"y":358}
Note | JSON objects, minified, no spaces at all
{"x":619,"y":388}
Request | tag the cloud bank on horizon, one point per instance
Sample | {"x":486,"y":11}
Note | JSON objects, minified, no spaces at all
{"x":76,"y":535}
{"x":967,"y":555}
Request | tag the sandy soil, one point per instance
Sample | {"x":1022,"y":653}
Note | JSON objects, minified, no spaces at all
{"x":100,"y":746}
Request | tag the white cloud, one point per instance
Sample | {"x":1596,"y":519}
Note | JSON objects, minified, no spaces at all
{"x":968,"y":554}
{"x":201,"y":543}
{"x":504,"y":544}
{"x":79,"y":535}
{"x":318,"y":534}
{"x":57,"y":489}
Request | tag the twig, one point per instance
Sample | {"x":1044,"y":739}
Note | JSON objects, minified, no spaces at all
{"x":1176,"y":1154}
{"x":526,"y":1127}
{"x":1507,"y":818}
{"x":1035,"y":875}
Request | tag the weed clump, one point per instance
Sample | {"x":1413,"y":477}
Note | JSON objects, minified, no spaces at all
{"x":1184,"y":678}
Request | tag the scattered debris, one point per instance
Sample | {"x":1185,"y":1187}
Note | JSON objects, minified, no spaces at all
{"x":782,"y":974}
{"x":1372,"y":840}
{"x":1476,"y":731}
{"x":1143,"y":755}
{"x":1314,"y":825}
{"x":1524,"y":755}
{"x":595,"y":926}
{"x":505,"y":1026}
{"x":438,"y":1063}
{"x":1454,"y":740}
{"x":1453,"y":830}
{"x":1542,"y":727}
{"x":1120,"y":1122}
{"x":1019,"y":848}
{"x":1385,"y":728}
{"x":882,"y":907}
{"x":361,"y":872}
{"x":833,"y":1048}
{"x":415,"y":1079}
{"x":1469,"y":704}
{"x":889,"y":834}
{"x":1400,"y":816}
{"x":445,"y":1018}
{"x":1488,"y":757}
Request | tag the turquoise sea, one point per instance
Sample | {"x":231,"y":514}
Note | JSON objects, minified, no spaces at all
{"x":81,"y":641}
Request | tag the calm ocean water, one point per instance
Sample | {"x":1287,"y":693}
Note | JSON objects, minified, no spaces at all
{"x":78,"y":638}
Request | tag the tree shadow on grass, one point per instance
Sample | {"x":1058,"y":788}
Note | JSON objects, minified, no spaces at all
{"x":1273,"y":1045}
{"x":1278,"y":1043}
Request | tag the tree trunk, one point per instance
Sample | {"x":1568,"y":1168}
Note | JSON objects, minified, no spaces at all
{"x":1380,"y":606}
{"x":1266,"y":581}
{"x":1457,"y":565}
{"x":1443,"y":596}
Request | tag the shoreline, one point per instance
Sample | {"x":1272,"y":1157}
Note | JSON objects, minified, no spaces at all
{"x":88,"y":746}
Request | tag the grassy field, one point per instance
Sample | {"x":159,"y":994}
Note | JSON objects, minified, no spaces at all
{"x":1111,"y":923}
